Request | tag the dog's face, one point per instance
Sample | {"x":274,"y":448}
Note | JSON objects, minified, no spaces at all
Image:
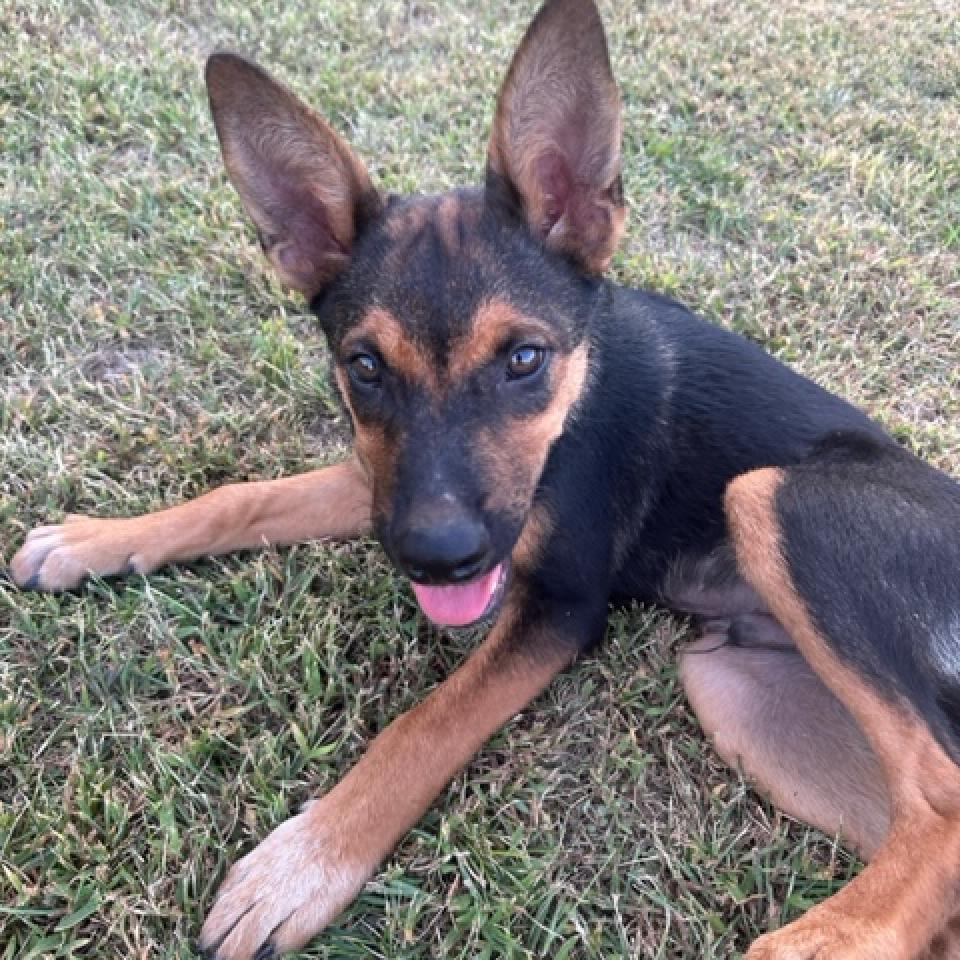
{"x":459,"y":353}
{"x":458,"y":325}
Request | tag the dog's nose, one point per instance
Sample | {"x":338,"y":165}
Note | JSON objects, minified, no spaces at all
{"x":451,"y":550}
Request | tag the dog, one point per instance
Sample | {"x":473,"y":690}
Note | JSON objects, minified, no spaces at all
{"x":532,"y":442}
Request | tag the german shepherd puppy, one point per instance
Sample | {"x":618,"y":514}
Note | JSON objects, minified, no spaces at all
{"x":532,"y":442}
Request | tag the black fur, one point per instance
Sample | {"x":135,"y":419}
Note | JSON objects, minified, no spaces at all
{"x":872,"y":540}
{"x":675,"y":408}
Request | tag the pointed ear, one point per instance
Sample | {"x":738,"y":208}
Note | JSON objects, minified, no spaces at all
{"x":554,"y":153}
{"x":307,"y":193}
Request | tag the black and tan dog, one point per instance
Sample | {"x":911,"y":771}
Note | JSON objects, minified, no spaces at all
{"x":532,"y":442}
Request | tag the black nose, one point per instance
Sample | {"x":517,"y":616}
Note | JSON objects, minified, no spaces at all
{"x":449,"y":550}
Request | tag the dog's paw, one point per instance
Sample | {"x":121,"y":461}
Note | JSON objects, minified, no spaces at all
{"x":61,"y":557}
{"x":287,"y":890}
{"x":823,"y":935}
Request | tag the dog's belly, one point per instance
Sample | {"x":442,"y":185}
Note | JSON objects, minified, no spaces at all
{"x":704,"y":584}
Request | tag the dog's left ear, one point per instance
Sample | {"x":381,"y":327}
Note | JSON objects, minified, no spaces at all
{"x":554,"y":154}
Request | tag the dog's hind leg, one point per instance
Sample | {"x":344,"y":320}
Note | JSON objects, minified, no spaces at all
{"x":856,"y":553}
{"x":765,"y":709}
{"x":770,"y":716}
{"x":332,"y":502}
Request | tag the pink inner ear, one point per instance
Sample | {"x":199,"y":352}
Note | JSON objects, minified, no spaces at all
{"x":306,"y":220}
{"x":306,"y":249}
{"x":553,"y":175}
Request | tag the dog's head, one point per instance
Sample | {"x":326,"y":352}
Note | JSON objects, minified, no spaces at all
{"x":458,"y":325}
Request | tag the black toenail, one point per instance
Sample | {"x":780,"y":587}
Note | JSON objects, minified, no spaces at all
{"x":33,"y":583}
{"x":266,"y":952}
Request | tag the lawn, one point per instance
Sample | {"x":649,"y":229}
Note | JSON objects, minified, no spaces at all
{"x":793,"y":172}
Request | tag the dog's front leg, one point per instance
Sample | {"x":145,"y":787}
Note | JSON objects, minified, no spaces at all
{"x":331,"y":502}
{"x":292,"y":885}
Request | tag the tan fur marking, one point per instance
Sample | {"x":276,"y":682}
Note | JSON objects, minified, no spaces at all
{"x":406,"y":224}
{"x":340,"y":838}
{"x":534,"y":436}
{"x":375,"y":454}
{"x":451,"y":215}
{"x":494,"y":324}
{"x":570,"y":377}
{"x":448,"y":223}
{"x":332,"y":502}
{"x":533,"y":538}
{"x":516,"y":458}
{"x":880,"y":913}
{"x":381,"y":328}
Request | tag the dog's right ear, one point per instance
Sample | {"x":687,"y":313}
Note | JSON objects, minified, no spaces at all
{"x":307,"y":193}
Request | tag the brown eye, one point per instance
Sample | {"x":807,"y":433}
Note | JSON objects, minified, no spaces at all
{"x":364,"y":369}
{"x":525,"y":361}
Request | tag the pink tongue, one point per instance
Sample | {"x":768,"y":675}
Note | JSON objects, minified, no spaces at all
{"x":456,"y":606}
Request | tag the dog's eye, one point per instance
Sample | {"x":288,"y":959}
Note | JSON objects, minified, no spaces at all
{"x":525,"y":361}
{"x":364,"y":369}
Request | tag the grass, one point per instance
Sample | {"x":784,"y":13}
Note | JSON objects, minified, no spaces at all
{"x":793,"y":172}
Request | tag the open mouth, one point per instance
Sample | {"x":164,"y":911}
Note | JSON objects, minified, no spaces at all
{"x":460,"y":604}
